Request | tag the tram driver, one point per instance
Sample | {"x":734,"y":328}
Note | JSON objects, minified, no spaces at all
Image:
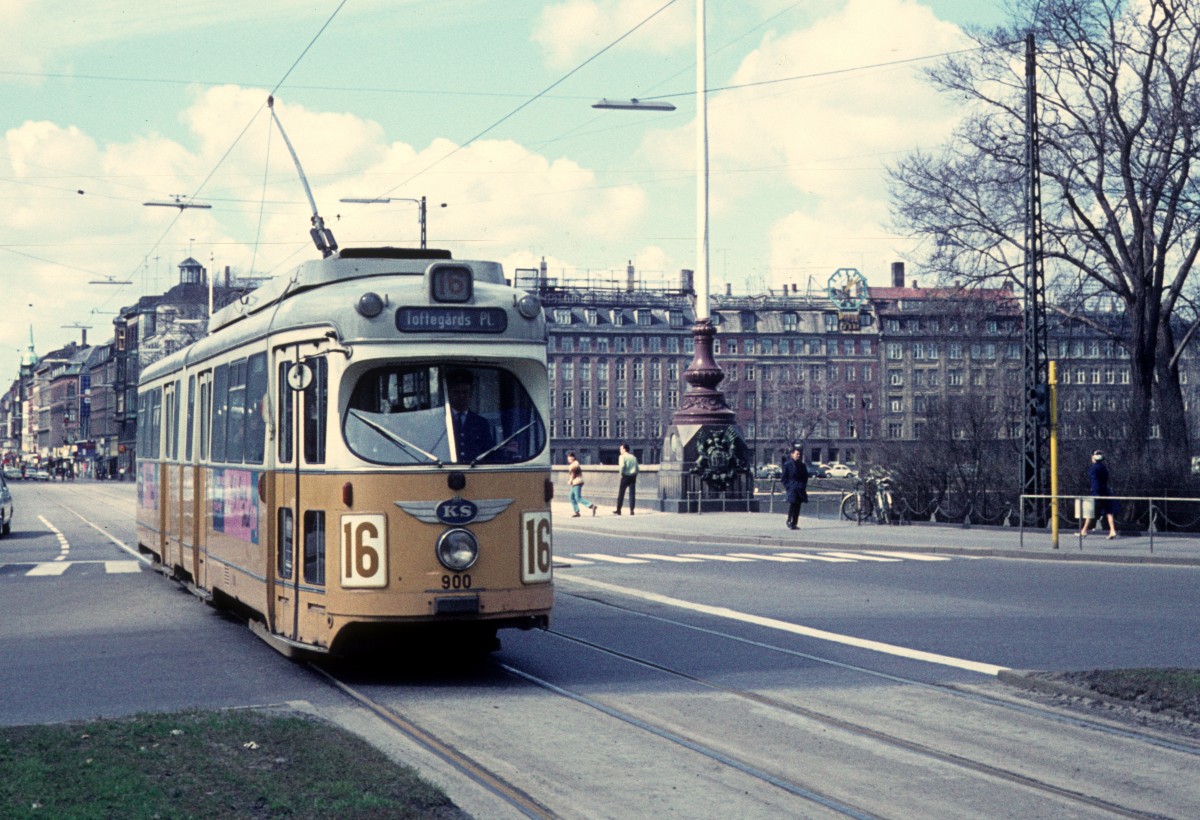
{"x":472,"y":432}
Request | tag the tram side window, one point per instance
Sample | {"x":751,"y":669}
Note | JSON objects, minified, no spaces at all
{"x":256,"y":393}
{"x":191,"y":408}
{"x":153,"y":422}
{"x":235,"y":419}
{"x":286,"y":413}
{"x":220,"y":404}
{"x":283,"y":554}
{"x":316,"y":400}
{"x":205,"y":412}
{"x":314,"y":547}
{"x":142,"y":429}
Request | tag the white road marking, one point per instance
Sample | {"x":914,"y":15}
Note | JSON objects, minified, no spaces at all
{"x":812,"y":556}
{"x":704,"y":557}
{"x":612,"y":559}
{"x":795,"y":629}
{"x":49,"y":568}
{"x":117,"y":567}
{"x":111,"y":537}
{"x":861,"y":556}
{"x":911,"y":556}
{"x":754,"y":556}
{"x":64,"y":546}
{"x":653,"y":556}
{"x":571,"y":561}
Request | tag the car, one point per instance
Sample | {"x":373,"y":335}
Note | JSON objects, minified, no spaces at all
{"x":816,"y":470}
{"x":836,"y":470}
{"x":6,"y":508}
{"x":770,"y":471}
{"x":12,"y":473}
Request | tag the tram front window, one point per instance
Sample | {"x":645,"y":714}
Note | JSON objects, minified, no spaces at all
{"x":447,"y":414}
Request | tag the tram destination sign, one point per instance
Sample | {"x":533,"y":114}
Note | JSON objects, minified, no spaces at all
{"x":451,"y":320}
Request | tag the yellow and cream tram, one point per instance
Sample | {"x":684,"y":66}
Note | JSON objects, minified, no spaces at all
{"x":357,"y":452}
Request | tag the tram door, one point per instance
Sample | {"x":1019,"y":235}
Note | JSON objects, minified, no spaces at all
{"x":298,"y":526}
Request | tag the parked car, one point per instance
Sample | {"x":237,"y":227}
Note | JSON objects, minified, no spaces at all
{"x":12,"y":473}
{"x":816,"y":470}
{"x":836,"y":470}
{"x":769,"y":471}
{"x":6,"y":508}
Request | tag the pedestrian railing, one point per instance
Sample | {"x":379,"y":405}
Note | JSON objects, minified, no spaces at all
{"x":1161,"y":516}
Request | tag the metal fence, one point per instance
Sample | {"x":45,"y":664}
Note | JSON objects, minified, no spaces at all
{"x":1161,"y":516}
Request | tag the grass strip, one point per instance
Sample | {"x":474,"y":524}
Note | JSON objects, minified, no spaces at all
{"x":243,"y":764}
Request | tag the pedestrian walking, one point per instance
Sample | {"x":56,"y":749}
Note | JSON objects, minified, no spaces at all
{"x":795,"y":481}
{"x":627,"y":464}
{"x":1105,"y":508}
{"x":575,"y":480}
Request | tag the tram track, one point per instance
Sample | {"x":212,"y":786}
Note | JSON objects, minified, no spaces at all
{"x":867,"y":732}
{"x":842,"y":724}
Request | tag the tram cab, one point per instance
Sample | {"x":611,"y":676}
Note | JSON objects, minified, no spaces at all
{"x":358,"y":453}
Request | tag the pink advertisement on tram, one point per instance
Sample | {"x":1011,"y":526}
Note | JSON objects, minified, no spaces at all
{"x":235,"y":503}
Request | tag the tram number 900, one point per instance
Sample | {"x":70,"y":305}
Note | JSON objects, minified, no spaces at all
{"x":536,"y":551}
{"x":364,"y":551}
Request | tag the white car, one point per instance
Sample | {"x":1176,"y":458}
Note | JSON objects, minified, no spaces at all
{"x":839,"y":471}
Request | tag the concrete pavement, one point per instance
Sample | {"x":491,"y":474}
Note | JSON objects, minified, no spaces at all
{"x":767,"y":530}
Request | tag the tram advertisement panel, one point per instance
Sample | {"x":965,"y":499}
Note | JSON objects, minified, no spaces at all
{"x":235,"y":504}
{"x":148,"y":485}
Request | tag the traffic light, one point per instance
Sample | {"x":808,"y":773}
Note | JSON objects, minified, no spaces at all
{"x":1041,"y":403}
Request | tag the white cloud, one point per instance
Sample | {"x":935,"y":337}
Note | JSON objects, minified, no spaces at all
{"x":571,"y":31}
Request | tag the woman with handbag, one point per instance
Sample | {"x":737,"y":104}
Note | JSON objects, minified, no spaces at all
{"x":575,"y":479}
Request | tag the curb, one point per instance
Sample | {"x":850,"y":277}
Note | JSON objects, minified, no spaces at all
{"x":780,"y":542}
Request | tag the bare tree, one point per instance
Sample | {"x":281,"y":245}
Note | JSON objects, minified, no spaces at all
{"x":1119,"y":116}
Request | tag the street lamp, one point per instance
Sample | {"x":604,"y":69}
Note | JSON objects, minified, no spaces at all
{"x":382,"y":199}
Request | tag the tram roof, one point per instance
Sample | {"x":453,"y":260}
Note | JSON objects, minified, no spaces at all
{"x":348,"y":263}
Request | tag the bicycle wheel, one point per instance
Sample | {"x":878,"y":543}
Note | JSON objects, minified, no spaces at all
{"x":851,"y":509}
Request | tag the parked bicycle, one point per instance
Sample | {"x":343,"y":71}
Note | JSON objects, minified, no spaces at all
{"x":872,"y":498}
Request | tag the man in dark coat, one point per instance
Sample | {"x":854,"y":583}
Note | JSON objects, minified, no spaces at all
{"x":472,"y":432}
{"x":795,"y":481}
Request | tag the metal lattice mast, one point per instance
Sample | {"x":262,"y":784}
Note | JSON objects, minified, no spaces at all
{"x":1036,"y":432}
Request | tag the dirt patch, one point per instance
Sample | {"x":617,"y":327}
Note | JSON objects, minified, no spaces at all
{"x":1163,"y":699}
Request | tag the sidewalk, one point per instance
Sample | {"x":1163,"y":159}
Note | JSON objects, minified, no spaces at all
{"x":766,"y":530}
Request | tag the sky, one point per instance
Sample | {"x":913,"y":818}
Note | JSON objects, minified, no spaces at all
{"x":483,"y":107}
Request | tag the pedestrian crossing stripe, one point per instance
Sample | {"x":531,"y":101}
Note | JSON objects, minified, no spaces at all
{"x":703,"y":557}
{"x":612,"y":559}
{"x":783,"y":559}
{"x":911,"y":556}
{"x":53,"y":569}
{"x":653,"y":556}
{"x":859,"y":556}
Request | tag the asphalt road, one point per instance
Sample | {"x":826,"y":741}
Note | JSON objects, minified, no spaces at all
{"x":693,"y":679}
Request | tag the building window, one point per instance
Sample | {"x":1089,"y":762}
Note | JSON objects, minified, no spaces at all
{"x":831,"y":323}
{"x":895,"y":351}
{"x":895,"y":429}
{"x":562,"y":316}
{"x":638,"y":344}
{"x":791,"y":321}
{"x":643,"y":317}
{"x":592,"y":315}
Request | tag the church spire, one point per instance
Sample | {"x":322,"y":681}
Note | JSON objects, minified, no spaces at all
{"x":31,"y":358}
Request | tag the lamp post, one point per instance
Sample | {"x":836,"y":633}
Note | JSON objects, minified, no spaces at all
{"x":382,"y":199}
{"x":703,"y":418}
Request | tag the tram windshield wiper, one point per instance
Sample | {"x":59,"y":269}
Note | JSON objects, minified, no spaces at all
{"x":487,"y":453}
{"x":399,"y":441}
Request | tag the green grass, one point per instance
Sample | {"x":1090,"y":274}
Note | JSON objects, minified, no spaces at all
{"x":242,"y":764}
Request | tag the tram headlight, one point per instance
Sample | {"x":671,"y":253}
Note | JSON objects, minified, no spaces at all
{"x":369,"y":305}
{"x":457,"y":549}
{"x":529,"y":306}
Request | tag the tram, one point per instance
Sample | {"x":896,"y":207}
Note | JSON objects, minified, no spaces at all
{"x":356,"y":456}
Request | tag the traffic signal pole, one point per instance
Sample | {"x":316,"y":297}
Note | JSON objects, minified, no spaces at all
{"x":1053,"y":413}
